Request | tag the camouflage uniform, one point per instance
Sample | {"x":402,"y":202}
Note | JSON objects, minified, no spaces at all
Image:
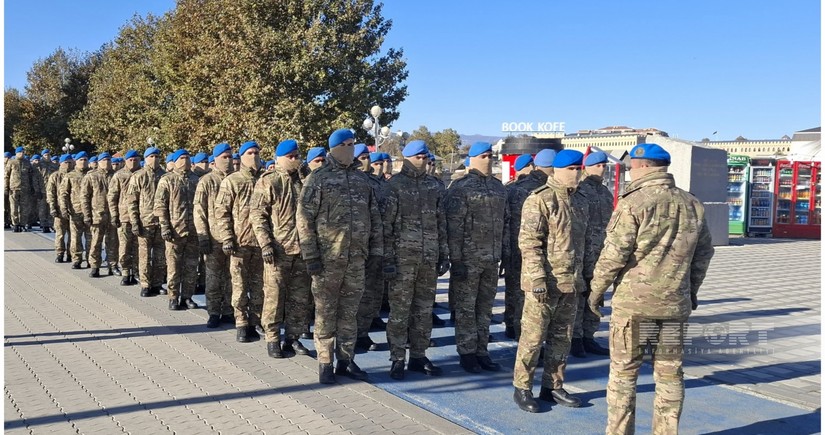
{"x":174,"y":203}
{"x":71,"y":202}
{"x":61,"y":224}
{"x":657,"y":250}
{"x":513,"y":295}
{"x":218,"y":283}
{"x":478,"y":234}
{"x":286,"y":282}
{"x":119,"y":209}
{"x":417,"y":231}
{"x":232,"y":210}
{"x":340,"y":225}
{"x":21,"y":186}
{"x":45,"y":169}
{"x":552,"y":241}
{"x":94,"y":189}
{"x":141,"y":201}
{"x":600,"y":208}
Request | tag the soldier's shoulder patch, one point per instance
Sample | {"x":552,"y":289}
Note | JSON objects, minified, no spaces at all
{"x":539,"y":189}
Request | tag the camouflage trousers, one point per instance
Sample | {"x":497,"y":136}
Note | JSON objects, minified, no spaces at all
{"x":20,"y":205}
{"x":218,"y":283}
{"x":126,"y":249}
{"x":151,"y":258}
{"x":337,"y":292}
{"x":373,"y":295}
{"x":61,"y":229}
{"x":43,"y":214}
{"x":548,"y":323}
{"x":587,"y":323}
{"x":79,"y":232}
{"x":100,"y":232}
{"x":286,"y":297}
{"x":246,"y":268}
{"x":411,"y":305}
{"x":181,"y":266}
{"x":628,"y":340}
{"x":474,"y":307}
{"x":513,"y":295}
{"x":7,"y":209}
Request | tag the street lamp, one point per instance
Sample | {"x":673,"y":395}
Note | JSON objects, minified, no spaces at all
{"x":371,"y":124}
{"x":68,"y":147}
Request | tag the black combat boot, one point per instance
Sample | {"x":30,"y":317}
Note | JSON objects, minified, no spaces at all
{"x":397,"y":370}
{"x":524,"y":400}
{"x":350,"y":369}
{"x":577,"y":348}
{"x":306,"y":335}
{"x":76,"y":265}
{"x":423,"y":365}
{"x":295,"y":347}
{"x":252,"y":332}
{"x":192,"y":305}
{"x":591,"y":346}
{"x":214,"y":321}
{"x":325,"y":374}
{"x":59,"y":259}
{"x":469,"y":363}
{"x":488,"y":364}
{"x":510,"y":332}
{"x":559,"y":396}
{"x":174,"y":305}
{"x":273,"y":348}
{"x":145,"y":292}
{"x":242,"y":335}
{"x":94,"y":273}
{"x":365,"y":344}
{"x":125,"y":281}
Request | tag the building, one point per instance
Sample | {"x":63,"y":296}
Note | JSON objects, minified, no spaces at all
{"x":776,"y":148}
{"x":612,"y":138}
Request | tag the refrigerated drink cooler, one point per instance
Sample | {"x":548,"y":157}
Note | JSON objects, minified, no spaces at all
{"x":737,"y":193}
{"x":760,"y":202}
{"x":798,"y":203}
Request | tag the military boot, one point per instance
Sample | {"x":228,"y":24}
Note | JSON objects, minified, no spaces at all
{"x":273,"y":348}
{"x":125,"y":281}
{"x":350,"y":369}
{"x":469,"y":363}
{"x":190,"y":304}
{"x":423,"y":365}
{"x":577,"y":348}
{"x":76,"y":265}
{"x":94,"y":273}
{"x":524,"y":399}
{"x":591,"y":346}
{"x":134,"y":281}
{"x":174,"y":304}
{"x":397,"y":370}
{"x":365,"y":344}
{"x":116,"y":270}
{"x":488,"y":364}
{"x":295,"y":347}
{"x":559,"y":396}
{"x":325,"y":374}
{"x":242,"y":335}
{"x":214,"y":321}
{"x":145,"y":292}
{"x":59,"y":259}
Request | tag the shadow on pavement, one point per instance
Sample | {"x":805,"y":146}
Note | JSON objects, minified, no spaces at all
{"x":109,"y":334}
{"x":779,"y":425}
{"x":723,"y":301}
{"x":29,"y":250}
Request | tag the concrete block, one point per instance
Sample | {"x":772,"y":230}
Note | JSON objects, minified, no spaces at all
{"x":716,"y":215}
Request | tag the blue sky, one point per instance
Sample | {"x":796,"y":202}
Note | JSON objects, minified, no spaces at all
{"x":750,"y":68}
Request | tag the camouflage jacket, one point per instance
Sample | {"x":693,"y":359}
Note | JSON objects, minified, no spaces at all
{"x":656,"y":252}
{"x":70,"y":195}
{"x":517,"y":193}
{"x":232,"y":208}
{"x":553,"y":238}
{"x":141,"y":196}
{"x":174,"y":203}
{"x":386,"y":204}
{"x":45,"y":170}
{"x":117,"y":196}
{"x":477,"y":219}
{"x":338,"y":214}
{"x":20,"y":176}
{"x":205,"y":195}
{"x":416,"y":220}
{"x":94,"y":190}
{"x":200,"y":172}
{"x":274,"y":206}
{"x":53,"y":192}
{"x":600,"y":208}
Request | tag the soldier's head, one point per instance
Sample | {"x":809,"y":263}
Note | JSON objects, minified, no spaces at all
{"x":131,"y":160}
{"x":211,"y":161}
{"x":646,"y":158}
{"x":151,"y":158}
{"x":543,"y":161}
{"x":93,"y":162}
{"x":377,"y":164}
{"x":316,"y":157}
{"x":66,"y":162}
{"x":181,"y":160}
{"x":46,"y":155}
{"x":81,"y":161}
{"x":341,"y":144}
{"x":567,"y":167}
{"x":481,"y":157}
{"x":222,"y":157}
{"x":236,"y":162}
{"x":35,"y":160}
{"x":362,"y":154}
{"x":249,"y":155}
{"x":6,"y":156}
{"x":18,"y":152}
{"x":387,"y":164}
{"x":200,"y":161}
{"x":416,"y":154}
{"x":287,"y":157}
{"x":595,"y":164}
{"x":104,"y":161}
{"x":523,"y":165}
{"x":170,"y":162}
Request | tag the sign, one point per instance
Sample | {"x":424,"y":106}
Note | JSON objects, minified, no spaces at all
{"x":732,"y":158}
{"x":532,"y":127}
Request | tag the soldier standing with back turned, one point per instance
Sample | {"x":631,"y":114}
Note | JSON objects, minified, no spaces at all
{"x":119,"y":207}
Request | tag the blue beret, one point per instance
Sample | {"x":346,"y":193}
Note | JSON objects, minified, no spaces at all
{"x":149,"y":151}
{"x":54,"y":159}
{"x":131,"y":153}
{"x":36,"y":157}
{"x":200,"y":157}
{"x":178,"y":154}
{"x":170,"y":158}
{"x":316,"y":152}
{"x":220,"y":149}
{"x":376,"y":157}
{"x":103,"y":155}
{"x":360,"y":149}
{"x":522,"y":161}
{"x":567,"y":158}
{"x":246,"y":146}
{"x":286,"y":147}
{"x":211,"y":159}
{"x":236,"y":156}
{"x":339,"y":136}
{"x":142,"y":163}
{"x":45,"y":151}
{"x":595,"y":158}
{"x":269,"y":162}
{"x":415,"y":148}
{"x":480,"y":148}
{"x":7,"y":154}
{"x":65,"y":158}
{"x":467,"y":162}
{"x":81,"y":155}
{"x":18,"y":150}
{"x":93,"y":159}
{"x":386,"y":157}
{"x":650,"y":151}
{"x":117,"y":159}
{"x":431,"y":156}
{"x":544,"y":158}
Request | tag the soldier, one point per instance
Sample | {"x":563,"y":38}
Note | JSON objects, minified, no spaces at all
{"x":234,"y":229}
{"x":200,"y":164}
{"x":340,"y":226}
{"x":7,"y":213}
{"x":174,"y":204}
{"x":119,"y":208}
{"x":552,"y":241}
{"x":218,"y":286}
{"x":373,"y":294}
{"x":418,"y":244}
{"x":21,"y":188}
{"x":46,"y":169}
{"x":600,"y":209}
{"x":170,"y":164}
{"x":656,"y":253}
{"x":71,"y":204}
{"x":38,"y":184}
{"x":141,"y":204}
{"x":478,"y":229}
{"x":316,"y":158}
{"x":236,"y":162}
{"x":61,"y":224}
{"x":387,"y":166}
{"x":286,"y":282}
{"x":269,"y":166}
{"x":94,"y":190}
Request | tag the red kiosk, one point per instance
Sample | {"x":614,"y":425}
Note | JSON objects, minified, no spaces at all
{"x":798,"y":200}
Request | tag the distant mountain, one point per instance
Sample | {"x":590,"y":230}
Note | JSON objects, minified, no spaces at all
{"x":469,"y":139}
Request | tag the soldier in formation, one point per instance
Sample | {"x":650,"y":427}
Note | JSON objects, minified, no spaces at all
{"x":61,"y":223}
{"x":94,"y":191}
{"x":22,"y":189}
{"x":119,"y":209}
{"x":141,"y":203}
{"x":71,"y":204}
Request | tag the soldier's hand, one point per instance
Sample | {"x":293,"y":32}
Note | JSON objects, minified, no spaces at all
{"x":268,"y":253}
{"x":390,"y":271}
{"x":541,"y":294}
{"x":205,"y":246}
{"x":593,"y":304}
{"x":443,"y":267}
{"x":137,"y":229}
{"x":694,"y":301}
{"x":228,"y":248}
{"x":458,"y":270}
{"x":314,"y":267}
{"x":166,"y":235}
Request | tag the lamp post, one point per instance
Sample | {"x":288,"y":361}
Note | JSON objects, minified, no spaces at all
{"x":68,"y":147}
{"x":372,"y":125}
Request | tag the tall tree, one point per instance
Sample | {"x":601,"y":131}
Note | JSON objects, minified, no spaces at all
{"x":12,"y":116}
{"x":446,"y":142}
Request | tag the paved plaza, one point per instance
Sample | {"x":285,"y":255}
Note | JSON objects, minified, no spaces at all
{"x":86,"y":355}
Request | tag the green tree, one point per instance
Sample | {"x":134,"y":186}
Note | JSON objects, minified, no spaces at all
{"x":12,"y":116}
{"x":421,"y":133}
{"x":446,"y":142}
